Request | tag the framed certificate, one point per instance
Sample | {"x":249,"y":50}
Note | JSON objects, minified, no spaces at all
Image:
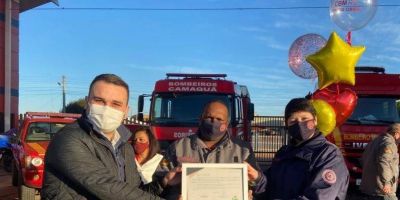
{"x":223,"y":181}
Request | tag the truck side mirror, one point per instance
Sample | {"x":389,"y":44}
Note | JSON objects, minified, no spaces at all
{"x":140,"y":107}
{"x":140,"y":117}
{"x":140,"y":104}
{"x":251,"y":111}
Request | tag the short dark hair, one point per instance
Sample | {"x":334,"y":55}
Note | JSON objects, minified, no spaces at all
{"x":110,"y":78}
{"x":208,"y":104}
{"x":299,"y":104}
{"x":154,"y":147}
{"x":393,"y":128}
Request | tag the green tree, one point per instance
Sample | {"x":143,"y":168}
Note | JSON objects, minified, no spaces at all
{"x":76,"y":106}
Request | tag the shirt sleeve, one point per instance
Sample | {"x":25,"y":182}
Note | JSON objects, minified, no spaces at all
{"x":170,"y":156}
{"x":261,"y":182}
{"x":384,"y":162}
{"x":329,"y":178}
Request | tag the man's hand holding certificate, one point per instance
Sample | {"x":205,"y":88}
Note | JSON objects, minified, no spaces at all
{"x":214,"y":181}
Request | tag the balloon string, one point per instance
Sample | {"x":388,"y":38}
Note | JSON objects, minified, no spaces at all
{"x":348,"y":38}
{"x":337,"y":88}
{"x":337,"y":93}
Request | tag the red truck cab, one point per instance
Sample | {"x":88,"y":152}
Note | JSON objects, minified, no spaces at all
{"x":29,"y":147}
{"x":377,"y":107}
{"x":177,"y":103}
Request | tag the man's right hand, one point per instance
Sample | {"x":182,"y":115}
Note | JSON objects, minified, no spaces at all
{"x":173,"y":177}
{"x":252,"y":173}
{"x":386,"y":189}
{"x":250,"y":194}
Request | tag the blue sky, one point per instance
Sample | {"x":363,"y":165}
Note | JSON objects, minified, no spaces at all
{"x":251,"y":46}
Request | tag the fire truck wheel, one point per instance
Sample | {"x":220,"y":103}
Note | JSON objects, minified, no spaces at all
{"x":27,"y":193}
{"x":14,"y":174}
{"x":24,"y":192}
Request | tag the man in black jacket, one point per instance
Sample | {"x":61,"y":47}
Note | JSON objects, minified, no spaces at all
{"x":91,"y":159}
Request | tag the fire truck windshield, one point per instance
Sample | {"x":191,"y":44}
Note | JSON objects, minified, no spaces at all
{"x":183,"y":108}
{"x":42,"y":131}
{"x":377,"y":111}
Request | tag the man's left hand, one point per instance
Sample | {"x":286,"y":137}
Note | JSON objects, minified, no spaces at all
{"x":251,"y":172}
{"x":250,"y":195}
{"x":386,"y":189}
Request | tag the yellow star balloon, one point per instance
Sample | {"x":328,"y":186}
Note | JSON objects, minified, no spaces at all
{"x":335,"y":62}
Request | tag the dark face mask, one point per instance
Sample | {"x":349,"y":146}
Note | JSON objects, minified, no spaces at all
{"x":298,"y":130}
{"x":294,"y":132}
{"x":209,"y":130}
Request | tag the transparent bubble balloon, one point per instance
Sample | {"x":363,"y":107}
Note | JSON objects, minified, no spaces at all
{"x":352,"y":15}
{"x":302,"y":47}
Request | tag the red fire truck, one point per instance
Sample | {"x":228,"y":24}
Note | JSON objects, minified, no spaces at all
{"x":29,"y":147}
{"x":377,"y":107}
{"x":177,"y":103}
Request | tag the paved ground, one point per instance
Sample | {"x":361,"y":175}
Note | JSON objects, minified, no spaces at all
{"x":7,"y":191}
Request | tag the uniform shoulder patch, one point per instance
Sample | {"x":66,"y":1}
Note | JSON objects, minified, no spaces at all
{"x":388,"y":150}
{"x":329,"y":176}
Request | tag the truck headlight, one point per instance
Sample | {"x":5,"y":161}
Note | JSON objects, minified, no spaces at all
{"x":33,"y":161}
{"x":36,"y":161}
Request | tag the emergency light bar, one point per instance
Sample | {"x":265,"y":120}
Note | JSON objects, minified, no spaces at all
{"x":195,"y":75}
{"x":370,"y":69}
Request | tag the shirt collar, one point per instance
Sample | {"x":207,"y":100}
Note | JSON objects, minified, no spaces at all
{"x":196,"y":142}
{"x":114,"y":140}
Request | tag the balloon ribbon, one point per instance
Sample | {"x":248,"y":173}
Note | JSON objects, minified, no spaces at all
{"x":348,"y":38}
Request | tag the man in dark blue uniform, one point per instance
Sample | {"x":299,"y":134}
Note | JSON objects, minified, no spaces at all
{"x":309,"y":167}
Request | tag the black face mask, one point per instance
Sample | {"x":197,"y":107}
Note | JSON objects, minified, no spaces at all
{"x":209,"y":130}
{"x":297,"y":130}
{"x":294,"y":132}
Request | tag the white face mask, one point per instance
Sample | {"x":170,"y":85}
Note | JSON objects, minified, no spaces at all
{"x":107,"y":119}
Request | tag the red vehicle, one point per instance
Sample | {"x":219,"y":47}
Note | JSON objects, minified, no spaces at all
{"x":377,"y":107}
{"x":178,"y":100}
{"x":29,"y":147}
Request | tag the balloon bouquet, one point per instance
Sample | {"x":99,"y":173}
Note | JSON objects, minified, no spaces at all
{"x":333,"y":62}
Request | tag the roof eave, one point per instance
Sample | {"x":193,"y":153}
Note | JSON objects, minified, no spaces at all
{"x":25,"y":5}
